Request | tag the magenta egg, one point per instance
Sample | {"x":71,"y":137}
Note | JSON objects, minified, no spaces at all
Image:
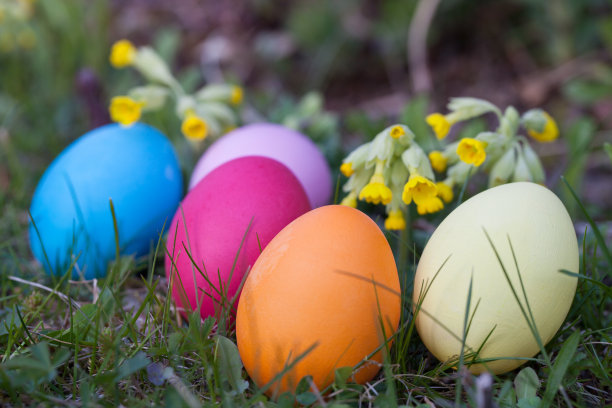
{"x":222,"y":226}
{"x":293,"y":149}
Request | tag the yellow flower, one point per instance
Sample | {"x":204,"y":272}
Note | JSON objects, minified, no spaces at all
{"x":122,"y":54}
{"x":347,"y":169}
{"x":445,"y":192}
{"x":397,"y":132}
{"x":471,"y":151}
{"x":125,"y":110}
{"x":440,"y":124}
{"x":376,"y":191}
{"x":350,"y":200}
{"x":236,"y":96}
{"x":550,"y":132}
{"x":395,"y":220}
{"x":194,"y":127}
{"x":419,"y":189}
{"x":438,"y":161}
{"x":430,"y":206}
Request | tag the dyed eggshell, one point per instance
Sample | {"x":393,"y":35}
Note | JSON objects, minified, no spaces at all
{"x":289,"y":147}
{"x":542,"y":235}
{"x":313,"y":285}
{"x":134,"y":166}
{"x":213,"y":220}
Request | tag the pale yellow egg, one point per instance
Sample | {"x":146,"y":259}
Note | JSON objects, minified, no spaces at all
{"x":524,"y":218}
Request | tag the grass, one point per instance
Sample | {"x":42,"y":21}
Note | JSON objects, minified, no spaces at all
{"x":118,"y":341}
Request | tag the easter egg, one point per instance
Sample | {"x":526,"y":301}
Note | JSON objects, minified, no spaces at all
{"x":533,"y":235}
{"x":320,"y":290}
{"x":223,"y":224}
{"x":289,"y":147}
{"x":136,"y":167}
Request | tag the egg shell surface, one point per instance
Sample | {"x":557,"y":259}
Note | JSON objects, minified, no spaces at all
{"x":134,"y":166}
{"x":542,"y":235}
{"x":313,"y":286}
{"x":293,"y":149}
{"x":213,"y":220}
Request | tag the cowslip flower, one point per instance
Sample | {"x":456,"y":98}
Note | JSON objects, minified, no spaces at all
{"x":430,"y":206}
{"x":347,"y":169}
{"x":125,"y":110}
{"x":194,"y":127}
{"x":422,"y":191}
{"x":440,"y":124}
{"x":471,"y":151}
{"x":236,"y":96}
{"x":445,"y":192}
{"x":350,"y":200}
{"x":376,"y":191}
{"x":122,"y":54}
{"x":438,"y":161}
{"x":397,"y":131}
{"x":549,"y":133}
{"x":395,"y":220}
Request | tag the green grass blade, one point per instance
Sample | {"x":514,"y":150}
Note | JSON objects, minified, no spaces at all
{"x":596,"y":232}
{"x":560,"y":367}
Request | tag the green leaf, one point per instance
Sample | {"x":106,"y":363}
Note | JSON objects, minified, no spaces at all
{"x":341,"y":376}
{"x":303,"y":395}
{"x":507,"y":395}
{"x":230,"y":364}
{"x":560,"y":367}
{"x":306,"y":398}
{"x":600,"y":239}
{"x":587,"y":91}
{"x":286,"y":400}
{"x":526,"y":383}
{"x":132,"y":365}
{"x":167,"y":42}
{"x":531,"y":402}
{"x":413,"y":115}
{"x":36,"y":368}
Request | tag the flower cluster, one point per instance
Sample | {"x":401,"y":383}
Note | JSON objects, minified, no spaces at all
{"x":15,"y":29}
{"x":504,"y":154}
{"x":392,"y":170}
{"x":207,"y":112}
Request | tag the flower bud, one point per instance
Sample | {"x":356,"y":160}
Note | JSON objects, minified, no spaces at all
{"x":154,"y":68}
{"x":154,"y":96}
{"x":534,"y":164}
{"x":521,"y":171}
{"x":416,"y":160}
{"x":540,"y":126}
{"x":221,"y":112}
{"x":381,"y":147}
{"x":503,"y":168}
{"x":468,"y":108}
{"x":509,"y":122}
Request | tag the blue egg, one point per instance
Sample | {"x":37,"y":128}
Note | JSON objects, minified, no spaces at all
{"x":134,"y":166}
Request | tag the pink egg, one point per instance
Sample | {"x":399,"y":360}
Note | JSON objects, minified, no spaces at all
{"x":251,"y":199}
{"x":289,"y":147}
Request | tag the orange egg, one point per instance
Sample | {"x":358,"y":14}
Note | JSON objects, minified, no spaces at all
{"x":327,"y":280}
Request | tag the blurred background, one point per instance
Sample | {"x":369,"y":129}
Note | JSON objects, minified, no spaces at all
{"x":340,"y":71}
